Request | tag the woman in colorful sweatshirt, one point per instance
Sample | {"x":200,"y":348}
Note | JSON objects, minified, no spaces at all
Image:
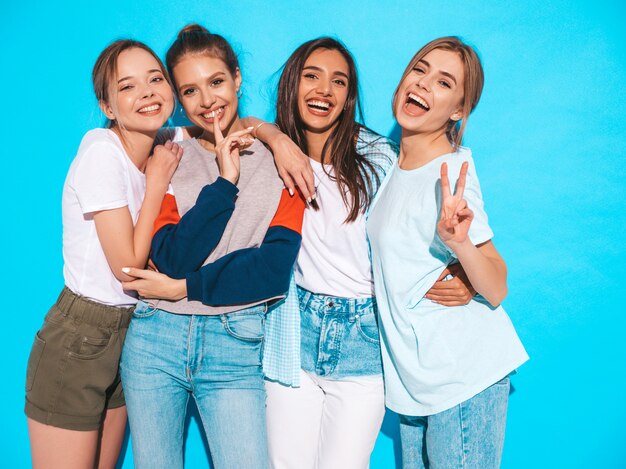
{"x":229,"y":232}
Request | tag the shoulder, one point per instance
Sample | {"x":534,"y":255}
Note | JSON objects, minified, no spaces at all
{"x":100,"y":144}
{"x":455,"y":161}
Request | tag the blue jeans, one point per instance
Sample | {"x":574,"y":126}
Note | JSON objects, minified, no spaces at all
{"x":468,"y":436}
{"x":339,"y":336}
{"x":216,"y":360}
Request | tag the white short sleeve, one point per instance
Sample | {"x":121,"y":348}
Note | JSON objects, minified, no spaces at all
{"x":479,"y":231}
{"x":100,"y":178}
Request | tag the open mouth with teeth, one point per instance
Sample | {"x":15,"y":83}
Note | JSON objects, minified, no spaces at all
{"x":214,"y":113}
{"x":415,"y":103}
{"x":150,"y":110}
{"x":319,"y":107}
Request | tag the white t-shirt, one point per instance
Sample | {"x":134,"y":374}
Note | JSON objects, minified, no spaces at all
{"x":101,"y":177}
{"x":334,"y":256}
{"x":434,"y":357}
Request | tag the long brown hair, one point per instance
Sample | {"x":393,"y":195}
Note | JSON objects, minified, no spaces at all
{"x":104,"y":73}
{"x":472,"y":85}
{"x":349,"y":166}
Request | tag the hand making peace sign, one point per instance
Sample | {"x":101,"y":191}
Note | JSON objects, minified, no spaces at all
{"x":227,"y":150}
{"x":456,"y":217}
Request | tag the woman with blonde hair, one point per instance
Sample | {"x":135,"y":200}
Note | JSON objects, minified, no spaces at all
{"x":446,"y":369}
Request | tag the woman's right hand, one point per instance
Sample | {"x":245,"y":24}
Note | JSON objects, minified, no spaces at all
{"x":162,"y":164}
{"x":227,"y":150}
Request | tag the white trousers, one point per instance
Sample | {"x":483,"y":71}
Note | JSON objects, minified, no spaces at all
{"x":325,"y":423}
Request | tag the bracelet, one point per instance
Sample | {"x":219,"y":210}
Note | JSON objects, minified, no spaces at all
{"x":254,"y":132}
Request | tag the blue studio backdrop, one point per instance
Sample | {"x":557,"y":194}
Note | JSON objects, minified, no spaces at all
{"x":548,"y":140}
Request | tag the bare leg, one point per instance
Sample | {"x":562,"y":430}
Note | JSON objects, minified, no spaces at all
{"x":58,"y":448}
{"x":112,"y":437}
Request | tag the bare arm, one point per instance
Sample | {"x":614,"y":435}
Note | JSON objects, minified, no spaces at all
{"x":127,"y":245}
{"x":483,"y":265}
{"x":293,"y":166}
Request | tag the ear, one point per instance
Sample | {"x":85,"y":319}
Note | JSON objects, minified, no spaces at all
{"x":237,"y":78}
{"x":107,"y":110}
{"x":457,"y":115}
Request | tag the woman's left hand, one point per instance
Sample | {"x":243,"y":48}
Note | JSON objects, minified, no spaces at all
{"x":294,"y":167}
{"x":151,"y":284}
{"x":456,"y":217}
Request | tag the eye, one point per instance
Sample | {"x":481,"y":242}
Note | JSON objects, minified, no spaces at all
{"x":310,"y":76}
{"x":157,"y":79}
{"x":188,"y":91}
{"x":419,"y":70}
{"x":126,"y":87}
{"x":217,"y":82}
{"x":444,"y":84}
{"x":340,"y":82}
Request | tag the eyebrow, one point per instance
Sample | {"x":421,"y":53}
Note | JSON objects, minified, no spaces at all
{"x":129,"y":77}
{"x":443,"y":72}
{"x":313,"y":67}
{"x":208,"y":79}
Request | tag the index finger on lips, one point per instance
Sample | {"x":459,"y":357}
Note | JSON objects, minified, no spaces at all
{"x":217,"y":132}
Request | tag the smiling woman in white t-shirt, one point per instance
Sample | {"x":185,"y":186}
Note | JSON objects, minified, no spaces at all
{"x":111,"y":197}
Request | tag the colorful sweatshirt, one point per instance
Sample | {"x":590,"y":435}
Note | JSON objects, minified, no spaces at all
{"x":234,"y":245}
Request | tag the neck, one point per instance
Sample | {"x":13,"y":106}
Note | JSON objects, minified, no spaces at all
{"x":207,"y":138}
{"x":315,"y":142}
{"x":418,"y":149}
{"x":138,"y":145}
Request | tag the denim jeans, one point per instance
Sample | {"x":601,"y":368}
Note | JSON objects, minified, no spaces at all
{"x":339,"y":336}
{"x":470,"y":435}
{"x":216,"y":360}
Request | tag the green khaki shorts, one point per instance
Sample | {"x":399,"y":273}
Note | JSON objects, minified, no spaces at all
{"x":73,"y":368}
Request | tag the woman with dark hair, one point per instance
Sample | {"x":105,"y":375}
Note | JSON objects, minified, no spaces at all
{"x":333,"y":418}
{"x":228,"y":235}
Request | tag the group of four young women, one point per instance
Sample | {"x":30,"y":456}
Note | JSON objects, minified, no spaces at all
{"x":284,"y":364}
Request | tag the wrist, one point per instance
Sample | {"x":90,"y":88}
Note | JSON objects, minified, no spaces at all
{"x":459,"y":247}
{"x":271,"y":135}
{"x":180,"y":290}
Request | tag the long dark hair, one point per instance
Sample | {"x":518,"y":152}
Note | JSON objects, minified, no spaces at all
{"x":350,"y":167}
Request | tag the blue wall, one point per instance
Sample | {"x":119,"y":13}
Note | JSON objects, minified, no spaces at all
{"x":546,"y":136}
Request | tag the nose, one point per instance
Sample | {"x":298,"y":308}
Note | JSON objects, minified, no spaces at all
{"x":323,"y":87}
{"x":207,"y":99}
{"x":424,"y":83}
{"x":147,"y":92}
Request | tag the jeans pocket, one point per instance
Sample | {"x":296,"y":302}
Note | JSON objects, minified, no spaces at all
{"x":143,"y":310}
{"x":245,"y":326}
{"x":33,"y":361}
{"x":368,"y":327}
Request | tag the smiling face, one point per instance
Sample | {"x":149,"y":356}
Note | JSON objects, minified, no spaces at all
{"x":431,"y":95}
{"x":207,"y":89}
{"x":323,"y":90}
{"x":141,"y":98}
